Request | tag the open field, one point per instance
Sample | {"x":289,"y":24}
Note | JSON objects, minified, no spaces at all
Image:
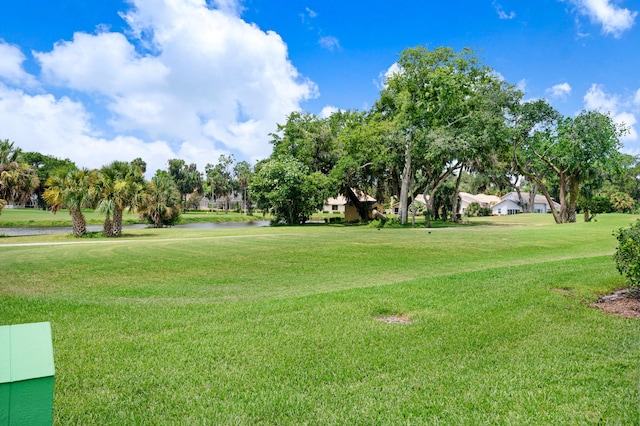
{"x":281,"y":325}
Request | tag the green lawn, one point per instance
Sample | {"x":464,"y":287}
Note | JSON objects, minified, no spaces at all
{"x":279,"y":325}
{"x":25,"y":218}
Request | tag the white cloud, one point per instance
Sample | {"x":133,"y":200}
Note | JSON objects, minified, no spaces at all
{"x":597,"y":99}
{"x":11,"y":65}
{"x":560,"y":91}
{"x":328,"y":110}
{"x":383,"y":76}
{"x":636,"y":98}
{"x":501,"y":13}
{"x":614,"y":20}
{"x":329,"y":42}
{"x":229,"y":7}
{"x":189,"y":81}
{"x":60,"y":127}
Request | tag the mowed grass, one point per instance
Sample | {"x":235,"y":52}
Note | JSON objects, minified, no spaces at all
{"x":32,"y":218}
{"x":280,"y":325}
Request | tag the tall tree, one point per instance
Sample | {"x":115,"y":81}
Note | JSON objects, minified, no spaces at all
{"x":187,"y":178}
{"x":9,"y":153}
{"x":220,"y":178}
{"x":44,"y":166}
{"x":243,"y":174}
{"x":569,"y":150}
{"x":17,"y":180}
{"x":71,"y":188}
{"x":120,"y":186}
{"x":160,"y":203}
{"x":437,"y":101}
{"x":287,"y":188}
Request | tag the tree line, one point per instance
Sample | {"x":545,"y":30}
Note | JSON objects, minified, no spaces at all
{"x":46,"y":181}
{"x":442,"y":121}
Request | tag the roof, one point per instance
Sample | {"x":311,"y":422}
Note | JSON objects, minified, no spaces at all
{"x":539,"y":199}
{"x":341,"y":200}
{"x":479,"y":198}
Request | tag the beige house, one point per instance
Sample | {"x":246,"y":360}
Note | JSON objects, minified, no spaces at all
{"x":486,"y":201}
{"x":342,"y":205}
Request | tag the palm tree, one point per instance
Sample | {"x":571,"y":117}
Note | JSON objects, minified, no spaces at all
{"x":160,"y":204}
{"x":8,"y":152}
{"x":120,"y":185}
{"x":17,"y":182}
{"x":73,"y":189}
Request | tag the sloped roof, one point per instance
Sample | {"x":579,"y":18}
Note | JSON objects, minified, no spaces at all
{"x":341,"y":200}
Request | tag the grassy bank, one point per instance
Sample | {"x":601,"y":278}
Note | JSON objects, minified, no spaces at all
{"x":281,"y":325}
{"x":31,"y":218}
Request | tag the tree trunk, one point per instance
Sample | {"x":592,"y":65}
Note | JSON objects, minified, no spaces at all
{"x":562,"y":194}
{"x":556,"y":214}
{"x":533,"y":191}
{"x":520,"y":199}
{"x":106,"y":228}
{"x":406,"y":181}
{"x":454,"y":201}
{"x":78,"y":222}
{"x":116,"y":225}
{"x":573,"y":200}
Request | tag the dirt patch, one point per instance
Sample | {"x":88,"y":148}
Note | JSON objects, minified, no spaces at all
{"x":395,"y":319}
{"x":621,"y":303}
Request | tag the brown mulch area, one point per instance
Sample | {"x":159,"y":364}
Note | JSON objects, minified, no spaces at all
{"x":620,"y":303}
{"x":395,"y":319}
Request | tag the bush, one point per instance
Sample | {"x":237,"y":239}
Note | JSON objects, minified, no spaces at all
{"x":376,"y":224}
{"x":473,"y":209}
{"x":485,"y":211}
{"x":627,"y":255}
{"x":394,"y":222}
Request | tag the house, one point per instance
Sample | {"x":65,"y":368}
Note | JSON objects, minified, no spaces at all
{"x":395,"y":204}
{"x":342,"y":205}
{"x":486,"y":201}
{"x":506,"y":207}
{"x":510,"y":204}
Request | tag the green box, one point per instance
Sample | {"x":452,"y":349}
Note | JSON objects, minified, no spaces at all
{"x":26,"y":374}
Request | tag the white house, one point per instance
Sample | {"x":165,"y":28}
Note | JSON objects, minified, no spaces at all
{"x":335,"y":204}
{"x":506,"y":207}
{"x":510,"y":204}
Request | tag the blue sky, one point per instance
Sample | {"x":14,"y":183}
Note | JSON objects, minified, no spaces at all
{"x":159,"y":79}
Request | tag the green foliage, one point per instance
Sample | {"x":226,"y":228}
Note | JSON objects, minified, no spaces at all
{"x":160,"y":204}
{"x":627,"y":255}
{"x":623,"y":203}
{"x":120,"y":185}
{"x":473,"y":209}
{"x":220,"y":179}
{"x":186,"y":177}
{"x":485,"y":211}
{"x":285,"y":186}
{"x":72,"y":189}
{"x":17,"y":182}
{"x":570,"y":152}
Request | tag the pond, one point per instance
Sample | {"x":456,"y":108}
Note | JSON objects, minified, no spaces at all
{"x":17,"y":232}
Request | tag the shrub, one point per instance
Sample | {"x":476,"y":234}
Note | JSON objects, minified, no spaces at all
{"x":627,"y":255}
{"x":473,"y":209}
{"x":394,"y":222}
{"x":376,"y":224}
{"x":485,"y":211}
